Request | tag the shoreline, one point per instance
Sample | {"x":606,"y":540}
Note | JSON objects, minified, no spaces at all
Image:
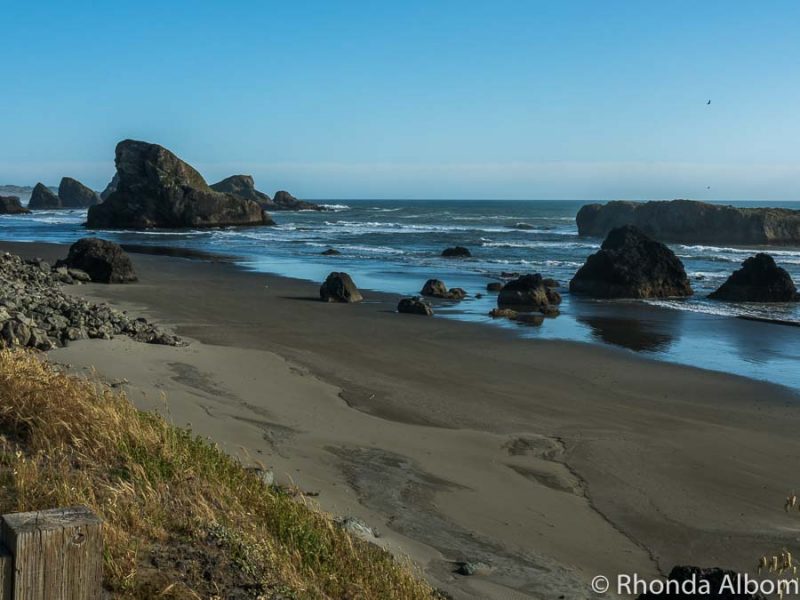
{"x":485,"y":446}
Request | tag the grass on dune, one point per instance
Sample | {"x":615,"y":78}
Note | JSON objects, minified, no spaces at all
{"x":181,"y":518}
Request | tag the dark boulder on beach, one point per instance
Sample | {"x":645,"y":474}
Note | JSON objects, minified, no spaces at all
{"x":759,"y":280}
{"x":529,"y":292}
{"x":157,"y":189}
{"x":73,"y":194}
{"x":691,"y":222}
{"x":10,"y":205}
{"x":436,"y":288}
{"x":110,"y":188}
{"x":283,"y":200}
{"x":103,"y":261}
{"x":42,"y":198}
{"x":339,"y":287}
{"x":456,"y":252}
{"x":630,"y":264}
{"x":708,"y":583}
{"x":414,"y":306}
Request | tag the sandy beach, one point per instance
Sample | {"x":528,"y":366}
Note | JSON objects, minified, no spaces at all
{"x":549,"y":461}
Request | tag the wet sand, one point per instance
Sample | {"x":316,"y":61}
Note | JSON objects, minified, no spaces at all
{"x":551,"y":461}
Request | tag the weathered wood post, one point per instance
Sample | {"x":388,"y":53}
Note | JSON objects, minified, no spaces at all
{"x":57,"y":554}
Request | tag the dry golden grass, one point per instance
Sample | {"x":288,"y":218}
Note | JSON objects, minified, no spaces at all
{"x":161,"y":490}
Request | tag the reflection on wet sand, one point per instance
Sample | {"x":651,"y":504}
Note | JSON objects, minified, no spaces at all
{"x":634,"y":334}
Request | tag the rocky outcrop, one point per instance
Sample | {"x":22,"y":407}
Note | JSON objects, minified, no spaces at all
{"x":759,"y":280}
{"x":10,"y":205}
{"x":456,"y":252}
{"x":435,"y":288}
{"x":629,"y":264}
{"x":691,"y":222}
{"x":330,"y":252}
{"x":103,"y":261}
{"x":111,"y":187}
{"x":73,"y":194}
{"x":36,"y":312}
{"x":529,"y":292}
{"x":283,"y":200}
{"x":157,"y":189}
{"x":339,"y":287}
{"x":241,"y":186}
{"x":43,"y":199}
{"x":415,"y":306}
{"x":494,"y":286}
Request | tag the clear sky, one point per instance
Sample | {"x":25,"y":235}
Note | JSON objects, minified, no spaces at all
{"x":413,"y":99}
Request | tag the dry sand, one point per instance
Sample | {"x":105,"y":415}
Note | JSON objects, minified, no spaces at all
{"x":551,"y":461}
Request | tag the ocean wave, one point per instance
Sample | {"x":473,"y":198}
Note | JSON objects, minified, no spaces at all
{"x":722,"y":309}
{"x":335,"y":207}
{"x":538,"y":244}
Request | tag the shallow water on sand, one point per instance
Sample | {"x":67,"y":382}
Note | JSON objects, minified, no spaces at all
{"x":395,"y":246}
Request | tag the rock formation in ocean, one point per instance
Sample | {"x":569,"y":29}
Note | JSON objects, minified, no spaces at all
{"x":242,"y":186}
{"x":494,"y":286}
{"x":104,"y":261}
{"x":330,"y":252}
{"x":283,"y":200}
{"x":73,"y":194}
{"x":630,"y":264}
{"x":529,"y":293}
{"x":691,"y":222}
{"x":414,"y":306}
{"x":759,"y":280}
{"x":10,"y":205}
{"x":339,"y":287}
{"x":157,"y":189}
{"x":43,"y":199}
{"x":456,"y":252}
{"x":435,"y":288}
{"x":111,"y":187}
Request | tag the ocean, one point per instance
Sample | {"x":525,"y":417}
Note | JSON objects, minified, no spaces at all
{"x":395,"y":245}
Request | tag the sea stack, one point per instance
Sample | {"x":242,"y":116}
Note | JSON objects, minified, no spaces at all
{"x":157,"y":189}
{"x":10,"y":205}
{"x":691,"y":222}
{"x":73,"y":194}
{"x":43,"y":199}
{"x":759,"y":280}
{"x":630,"y":264}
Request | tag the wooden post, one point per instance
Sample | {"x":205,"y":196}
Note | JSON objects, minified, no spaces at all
{"x":58,"y":554}
{"x":6,"y":573}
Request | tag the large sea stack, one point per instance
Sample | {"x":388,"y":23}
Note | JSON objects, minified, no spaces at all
{"x":10,"y":205}
{"x":73,"y":194}
{"x":691,"y":222}
{"x":283,"y":200}
{"x":43,"y":199}
{"x":157,"y":189}
{"x":629,"y":264}
{"x":759,"y":280}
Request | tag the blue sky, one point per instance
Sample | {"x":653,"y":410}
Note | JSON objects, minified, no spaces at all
{"x":429,"y":99}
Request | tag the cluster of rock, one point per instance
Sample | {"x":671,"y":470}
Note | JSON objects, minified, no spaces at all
{"x":415,"y":306}
{"x":156,"y":189}
{"x":629,"y":264}
{"x":36,"y":312}
{"x":243,"y":186}
{"x":435,"y":288}
{"x":10,"y":205}
{"x":688,"y":221}
{"x":71,"y":194}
